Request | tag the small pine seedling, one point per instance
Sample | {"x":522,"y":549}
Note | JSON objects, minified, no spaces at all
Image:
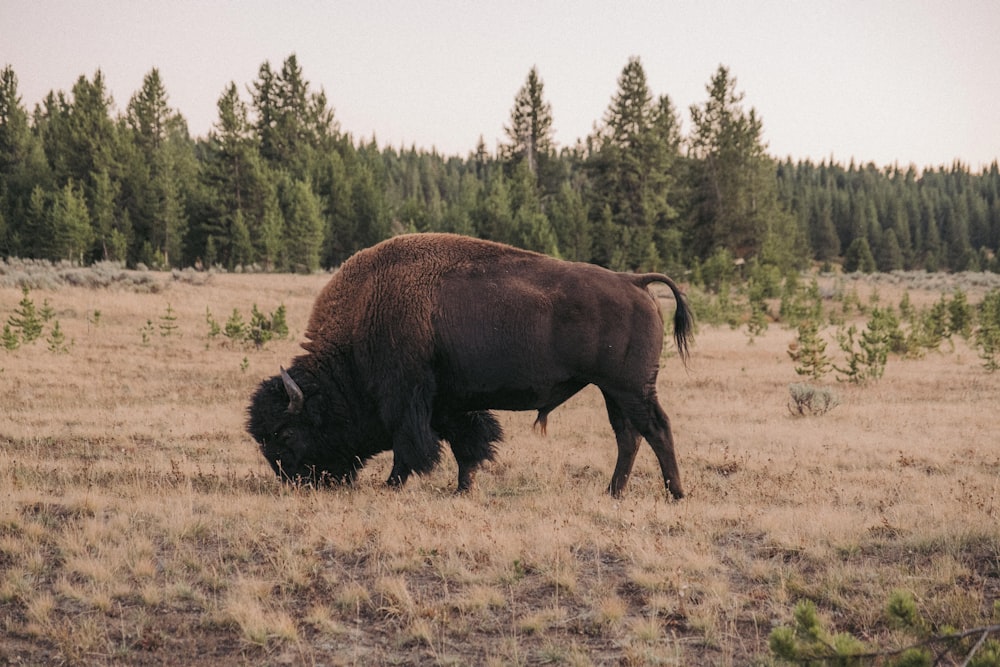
{"x":868,"y":362}
{"x":146,"y":332}
{"x":57,"y":340}
{"x":213,"y":327}
{"x":168,"y":322}
{"x":809,"y":351}
{"x":260,"y":328}
{"x":988,"y":333}
{"x":26,"y":319}
{"x":11,"y":341}
{"x":279,"y":322}
{"x":235,"y":329}
{"x":46,"y":311}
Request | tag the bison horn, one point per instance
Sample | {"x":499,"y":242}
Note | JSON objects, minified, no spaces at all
{"x":295,"y":398}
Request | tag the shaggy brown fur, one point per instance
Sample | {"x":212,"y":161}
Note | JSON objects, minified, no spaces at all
{"x":414,"y":340}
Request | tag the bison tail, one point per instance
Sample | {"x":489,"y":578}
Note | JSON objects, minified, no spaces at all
{"x":683,"y":316}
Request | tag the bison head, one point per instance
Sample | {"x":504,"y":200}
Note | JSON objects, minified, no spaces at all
{"x":307,"y":433}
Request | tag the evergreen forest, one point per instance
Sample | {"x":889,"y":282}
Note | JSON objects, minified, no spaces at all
{"x":278,"y":185}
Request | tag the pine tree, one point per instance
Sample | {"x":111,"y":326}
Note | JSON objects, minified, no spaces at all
{"x":630,"y":165}
{"x":37,"y":226}
{"x":568,"y":217}
{"x":108,"y":227}
{"x":165,"y":159}
{"x":149,"y":114}
{"x":292,"y":123}
{"x":72,"y":235}
{"x":232,"y":171}
{"x":890,"y":255}
{"x":22,"y":166}
{"x":859,"y":257}
{"x":79,"y":136}
{"x":735,"y":188}
{"x":493,"y":217}
{"x":532,"y":229}
{"x":15,"y":134}
{"x":530,"y":128}
{"x":304,"y":232}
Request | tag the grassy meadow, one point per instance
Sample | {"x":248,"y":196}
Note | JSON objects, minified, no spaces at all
{"x":139,"y":525}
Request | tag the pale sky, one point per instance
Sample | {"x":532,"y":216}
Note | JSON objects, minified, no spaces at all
{"x":883,"y":81}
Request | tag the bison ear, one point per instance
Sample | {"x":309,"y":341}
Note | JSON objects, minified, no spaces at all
{"x":295,"y":398}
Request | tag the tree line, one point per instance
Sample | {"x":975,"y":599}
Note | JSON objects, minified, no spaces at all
{"x":276,"y":184}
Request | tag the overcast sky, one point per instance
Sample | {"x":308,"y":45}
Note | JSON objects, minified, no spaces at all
{"x":902,"y":81}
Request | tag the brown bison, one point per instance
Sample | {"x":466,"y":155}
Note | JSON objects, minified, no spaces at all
{"x":415,"y":340}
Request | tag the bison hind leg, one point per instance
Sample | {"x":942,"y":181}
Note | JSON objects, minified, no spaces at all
{"x":472,"y":437}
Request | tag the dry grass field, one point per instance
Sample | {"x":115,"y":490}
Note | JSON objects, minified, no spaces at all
{"x":139,"y":525}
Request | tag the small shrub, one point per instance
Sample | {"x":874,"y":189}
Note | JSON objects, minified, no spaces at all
{"x":807,"y":400}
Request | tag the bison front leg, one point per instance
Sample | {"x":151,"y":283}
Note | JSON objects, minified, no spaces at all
{"x":471,"y":436}
{"x":413,"y":452}
{"x":415,"y":446}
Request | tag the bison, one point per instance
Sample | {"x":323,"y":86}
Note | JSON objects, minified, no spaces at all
{"x":415,"y":340}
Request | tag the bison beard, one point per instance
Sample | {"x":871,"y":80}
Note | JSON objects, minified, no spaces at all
{"x":415,"y":340}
